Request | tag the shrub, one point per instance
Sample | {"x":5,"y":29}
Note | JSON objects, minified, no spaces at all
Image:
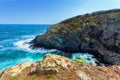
{"x":51,"y":75}
{"x":101,"y":79}
{"x":14,"y":78}
{"x":79,"y":61}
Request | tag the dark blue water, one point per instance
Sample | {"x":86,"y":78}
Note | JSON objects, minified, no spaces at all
{"x":14,"y":47}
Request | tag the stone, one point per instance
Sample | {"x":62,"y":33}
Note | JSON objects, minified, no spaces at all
{"x":82,"y":75}
{"x":88,"y":59}
{"x":35,"y":68}
{"x":111,"y":57}
{"x":52,"y":63}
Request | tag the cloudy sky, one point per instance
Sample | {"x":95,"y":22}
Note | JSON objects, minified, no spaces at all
{"x":49,"y":11}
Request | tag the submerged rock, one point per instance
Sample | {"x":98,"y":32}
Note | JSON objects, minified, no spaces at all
{"x":85,"y":33}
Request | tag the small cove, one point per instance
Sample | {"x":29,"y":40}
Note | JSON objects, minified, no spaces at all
{"x":14,"y":47}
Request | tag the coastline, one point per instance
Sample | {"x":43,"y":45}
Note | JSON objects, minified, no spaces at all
{"x":55,"y":67}
{"x":97,"y":34}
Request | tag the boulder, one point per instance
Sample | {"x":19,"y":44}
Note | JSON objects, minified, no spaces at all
{"x":111,"y":57}
{"x":52,"y":63}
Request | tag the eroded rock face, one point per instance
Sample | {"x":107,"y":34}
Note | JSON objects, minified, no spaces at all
{"x":63,"y":68}
{"x":54,"y":63}
{"x":14,"y":71}
{"x":51,"y":64}
{"x":85,"y":33}
{"x":111,"y":57}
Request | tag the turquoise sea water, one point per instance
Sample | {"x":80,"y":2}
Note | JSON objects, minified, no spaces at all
{"x":14,"y":47}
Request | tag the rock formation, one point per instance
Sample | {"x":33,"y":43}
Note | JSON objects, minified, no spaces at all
{"x":97,"y":33}
{"x":54,"y":67}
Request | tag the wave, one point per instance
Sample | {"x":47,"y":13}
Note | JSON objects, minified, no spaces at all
{"x":5,"y":32}
{"x":25,"y":46}
{"x":31,"y":36}
{"x":1,"y":47}
{"x":8,"y":40}
{"x":28,"y":36}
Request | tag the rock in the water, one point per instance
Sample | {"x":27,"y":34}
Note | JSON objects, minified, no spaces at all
{"x":111,"y":57}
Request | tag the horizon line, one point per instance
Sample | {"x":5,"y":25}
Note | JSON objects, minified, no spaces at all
{"x":22,"y":24}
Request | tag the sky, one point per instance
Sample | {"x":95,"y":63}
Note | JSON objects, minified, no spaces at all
{"x":49,"y":11}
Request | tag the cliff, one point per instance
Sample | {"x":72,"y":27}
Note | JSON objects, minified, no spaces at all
{"x":97,"y":33}
{"x":54,"y":67}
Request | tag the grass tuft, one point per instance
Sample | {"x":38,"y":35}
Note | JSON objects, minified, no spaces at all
{"x":51,"y":75}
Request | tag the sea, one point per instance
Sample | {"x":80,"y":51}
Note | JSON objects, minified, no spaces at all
{"x":15,"y":47}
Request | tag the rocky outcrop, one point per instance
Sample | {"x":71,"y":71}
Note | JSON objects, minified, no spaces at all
{"x":54,"y":67}
{"x":94,"y":33}
{"x":13,"y":71}
{"x":110,"y":57}
{"x":56,"y":62}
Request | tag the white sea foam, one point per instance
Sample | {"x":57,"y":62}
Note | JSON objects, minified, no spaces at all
{"x":84,"y":57}
{"x":8,"y":40}
{"x":28,"y":36}
{"x":25,"y":46}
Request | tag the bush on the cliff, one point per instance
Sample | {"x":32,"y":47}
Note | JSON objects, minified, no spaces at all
{"x":51,"y":75}
{"x":79,"y":61}
{"x":14,"y":78}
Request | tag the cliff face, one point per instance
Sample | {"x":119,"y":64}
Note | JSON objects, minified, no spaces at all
{"x":96,"y":33}
{"x":54,"y":67}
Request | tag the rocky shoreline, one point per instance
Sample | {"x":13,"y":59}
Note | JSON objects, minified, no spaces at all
{"x":97,"y":33}
{"x":54,"y":67}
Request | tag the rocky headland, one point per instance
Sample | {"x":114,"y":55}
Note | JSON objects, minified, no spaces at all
{"x":97,"y":33}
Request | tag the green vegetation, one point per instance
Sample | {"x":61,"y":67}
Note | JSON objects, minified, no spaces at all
{"x":14,"y":78}
{"x":80,"y":61}
{"x":93,"y":23}
{"x":101,"y":79}
{"x":79,"y":28}
{"x":1,"y":74}
{"x":33,"y":76}
{"x":51,"y":75}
